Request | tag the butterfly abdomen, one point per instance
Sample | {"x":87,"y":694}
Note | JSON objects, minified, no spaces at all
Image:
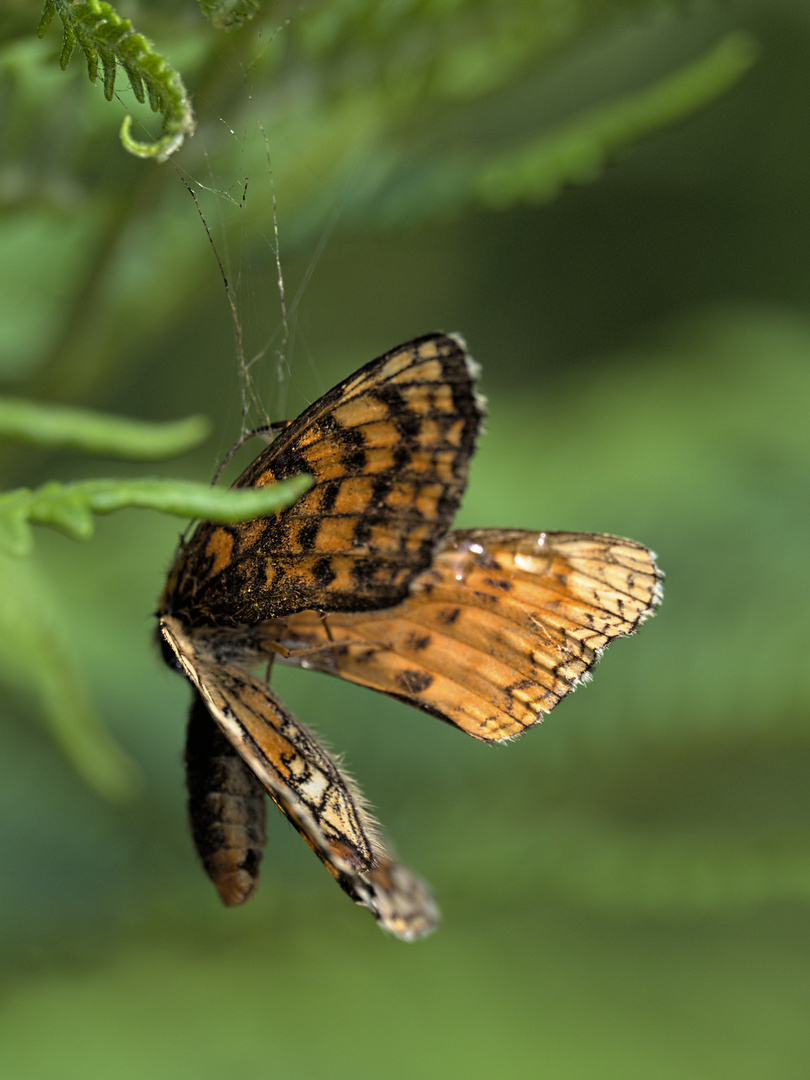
{"x":227,"y":807}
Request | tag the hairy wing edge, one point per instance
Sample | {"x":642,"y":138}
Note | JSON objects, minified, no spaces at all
{"x":249,"y":715}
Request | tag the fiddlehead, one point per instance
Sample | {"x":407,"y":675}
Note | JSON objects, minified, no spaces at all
{"x":108,"y":40}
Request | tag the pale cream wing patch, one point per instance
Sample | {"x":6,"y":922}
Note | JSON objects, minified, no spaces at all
{"x":502,"y":625}
{"x":304,"y":782}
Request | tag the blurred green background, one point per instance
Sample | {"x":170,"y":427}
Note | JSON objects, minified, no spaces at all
{"x":625,"y":890}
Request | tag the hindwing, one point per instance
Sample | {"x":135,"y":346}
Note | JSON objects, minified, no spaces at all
{"x":486,"y":628}
{"x":305,"y":782}
{"x":500,"y":627}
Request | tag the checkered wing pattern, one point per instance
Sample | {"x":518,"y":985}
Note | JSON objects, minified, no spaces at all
{"x":500,"y":627}
{"x":305,"y":783}
{"x":388,"y":449}
{"x":487,"y":629}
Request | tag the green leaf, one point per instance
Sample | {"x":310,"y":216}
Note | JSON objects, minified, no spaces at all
{"x":103,"y":35}
{"x":70,"y":507}
{"x":225,"y":14}
{"x":99,"y":433}
{"x":36,"y":657}
{"x":578,"y":152}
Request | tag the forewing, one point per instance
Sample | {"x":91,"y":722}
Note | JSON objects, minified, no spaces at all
{"x":388,"y":449}
{"x":305,"y":783}
{"x":503,"y":625}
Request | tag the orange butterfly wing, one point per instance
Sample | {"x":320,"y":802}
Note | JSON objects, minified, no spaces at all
{"x":487,"y":629}
{"x":305,"y":783}
{"x":500,"y":627}
{"x":388,"y":449}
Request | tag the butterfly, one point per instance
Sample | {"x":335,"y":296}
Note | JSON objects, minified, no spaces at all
{"x":362,"y":578}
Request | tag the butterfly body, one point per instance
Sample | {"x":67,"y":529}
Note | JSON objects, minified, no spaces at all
{"x":227,"y":808}
{"x":363,"y":579}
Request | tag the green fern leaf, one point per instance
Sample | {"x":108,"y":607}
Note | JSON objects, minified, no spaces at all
{"x":71,"y":507}
{"x":107,"y":39}
{"x":225,"y":14}
{"x":579,"y":151}
{"x":97,"y":432}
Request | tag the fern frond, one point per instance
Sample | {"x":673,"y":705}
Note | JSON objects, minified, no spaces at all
{"x":71,"y":507}
{"x":98,"y":433}
{"x":225,"y":14}
{"x":107,"y":39}
{"x":578,"y":152}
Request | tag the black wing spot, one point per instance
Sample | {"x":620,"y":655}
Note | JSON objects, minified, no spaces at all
{"x":329,"y":493}
{"x":323,"y":573}
{"x":414,"y":682}
{"x":365,"y":572}
{"x":361,"y":533}
{"x":355,"y":461}
{"x":402,"y":457}
{"x":418,"y":642}
{"x":308,"y":534}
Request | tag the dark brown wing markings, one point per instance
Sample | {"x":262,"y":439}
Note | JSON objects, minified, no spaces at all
{"x":389,"y":450}
{"x":487,"y":629}
{"x":500,"y":628}
{"x":303,"y":780}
